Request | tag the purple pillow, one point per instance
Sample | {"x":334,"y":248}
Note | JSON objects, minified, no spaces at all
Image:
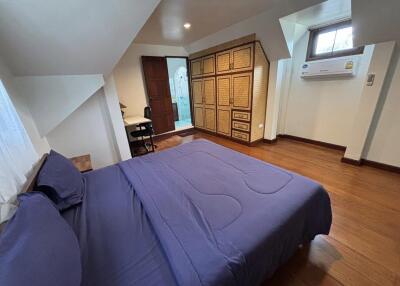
{"x":38,"y":247}
{"x":60,"y":181}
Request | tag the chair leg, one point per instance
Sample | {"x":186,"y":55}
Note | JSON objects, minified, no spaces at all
{"x":144,"y":145}
{"x":152,"y":143}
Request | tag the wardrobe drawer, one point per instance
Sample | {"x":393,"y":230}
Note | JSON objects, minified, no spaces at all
{"x":241,"y":115}
{"x":241,"y":125}
{"x":240,"y":135}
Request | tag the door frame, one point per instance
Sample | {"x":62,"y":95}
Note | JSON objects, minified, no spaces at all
{"x":189,"y":75}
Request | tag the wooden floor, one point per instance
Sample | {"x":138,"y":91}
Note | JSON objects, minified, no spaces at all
{"x":363,"y":247}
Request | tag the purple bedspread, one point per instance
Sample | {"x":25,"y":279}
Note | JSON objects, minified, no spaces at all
{"x":118,"y":244}
{"x":221,"y":218}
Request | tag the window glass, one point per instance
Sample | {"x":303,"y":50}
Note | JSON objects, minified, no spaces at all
{"x":335,"y":40}
{"x":17,"y":155}
{"x":344,"y":39}
{"x":325,"y":42}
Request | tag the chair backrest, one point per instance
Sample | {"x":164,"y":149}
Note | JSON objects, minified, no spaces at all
{"x":147,"y":112}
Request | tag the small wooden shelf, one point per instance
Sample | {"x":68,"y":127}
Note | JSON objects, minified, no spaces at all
{"x":82,"y":163}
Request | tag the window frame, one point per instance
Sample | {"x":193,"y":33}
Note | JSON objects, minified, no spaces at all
{"x":312,"y":42}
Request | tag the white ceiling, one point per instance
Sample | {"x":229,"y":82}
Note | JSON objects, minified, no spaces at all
{"x":51,"y":37}
{"x":61,"y":37}
{"x":165,"y":26}
{"x":330,"y":10}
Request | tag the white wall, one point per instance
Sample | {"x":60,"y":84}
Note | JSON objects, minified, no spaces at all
{"x":53,"y":98}
{"x":321,"y":109}
{"x":129,"y":78}
{"x":40,"y":143}
{"x":383,"y":144}
{"x":88,"y":130}
{"x":112,"y":100}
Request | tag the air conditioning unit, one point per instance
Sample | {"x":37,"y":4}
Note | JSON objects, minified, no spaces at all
{"x":343,"y":67}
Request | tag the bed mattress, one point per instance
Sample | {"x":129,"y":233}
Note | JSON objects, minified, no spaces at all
{"x":196,"y":214}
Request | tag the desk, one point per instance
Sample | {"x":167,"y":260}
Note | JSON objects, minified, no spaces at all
{"x":135,"y":120}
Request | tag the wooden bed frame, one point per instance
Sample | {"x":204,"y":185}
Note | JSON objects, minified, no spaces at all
{"x":31,"y":181}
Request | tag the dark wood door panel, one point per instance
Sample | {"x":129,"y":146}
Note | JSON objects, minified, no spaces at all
{"x":157,"y":84}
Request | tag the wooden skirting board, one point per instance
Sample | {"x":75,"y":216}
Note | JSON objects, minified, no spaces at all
{"x":382,"y":166}
{"x":315,"y":142}
{"x":373,"y":164}
{"x":351,"y":161}
{"x":268,"y":141}
{"x":361,"y":162}
{"x":364,"y":162}
{"x":172,"y":133}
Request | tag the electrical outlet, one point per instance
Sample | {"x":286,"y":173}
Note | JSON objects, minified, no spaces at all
{"x":370,"y":79}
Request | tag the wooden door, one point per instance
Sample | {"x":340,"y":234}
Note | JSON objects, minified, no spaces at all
{"x":242,"y":58}
{"x":157,"y":84}
{"x":209,"y":103}
{"x":241,"y":90}
{"x":198,"y":102}
{"x":223,"y":62}
{"x":195,"y":67}
{"x":224,"y":87}
{"x":208,"y":65}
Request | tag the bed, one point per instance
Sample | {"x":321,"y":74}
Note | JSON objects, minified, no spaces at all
{"x":196,"y":214}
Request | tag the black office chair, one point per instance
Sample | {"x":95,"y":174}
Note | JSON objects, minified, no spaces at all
{"x":145,"y":130}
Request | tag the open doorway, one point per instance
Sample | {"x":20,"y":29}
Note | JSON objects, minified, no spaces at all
{"x":179,"y":90}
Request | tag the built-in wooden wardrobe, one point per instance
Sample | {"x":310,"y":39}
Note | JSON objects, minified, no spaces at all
{"x":229,"y":90}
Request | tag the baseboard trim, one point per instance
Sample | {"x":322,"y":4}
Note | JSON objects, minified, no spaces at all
{"x":382,"y":166}
{"x":372,"y":164}
{"x":254,"y":143}
{"x":172,"y":133}
{"x":250,"y":144}
{"x":315,"y":142}
{"x":351,"y":161}
{"x":269,"y":141}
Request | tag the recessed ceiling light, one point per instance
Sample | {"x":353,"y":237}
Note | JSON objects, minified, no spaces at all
{"x":187,"y":25}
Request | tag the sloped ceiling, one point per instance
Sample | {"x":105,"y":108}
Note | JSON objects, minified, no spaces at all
{"x":330,"y":10}
{"x":51,"y":99}
{"x":54,"y":37}
{"x":265,"y":25}
{"x":375,"y":21}
{"x":216,"y":21}
{"x":165,"y":25}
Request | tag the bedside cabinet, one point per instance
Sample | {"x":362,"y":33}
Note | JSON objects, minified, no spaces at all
{"x":82,"y":163}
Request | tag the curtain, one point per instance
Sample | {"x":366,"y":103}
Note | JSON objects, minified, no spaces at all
{"x":17,"y":155}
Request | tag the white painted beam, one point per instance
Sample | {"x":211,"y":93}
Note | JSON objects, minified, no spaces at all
{"x":112,"y":100}
{"x":379,"y":66}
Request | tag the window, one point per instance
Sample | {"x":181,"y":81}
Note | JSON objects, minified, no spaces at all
{"x":17,"y":155}
{"x":332,"y":41}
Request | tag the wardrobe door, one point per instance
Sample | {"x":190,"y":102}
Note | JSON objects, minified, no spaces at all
{"x":195,"y":67}
{"x":242,"y":58}
{"x":223,"y":62}
{"x":241,"y":90}
{"x":224,"y":105}
{"x":198,"y":106}
{"x":208,"y":66}
{"x":209,"y":103}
